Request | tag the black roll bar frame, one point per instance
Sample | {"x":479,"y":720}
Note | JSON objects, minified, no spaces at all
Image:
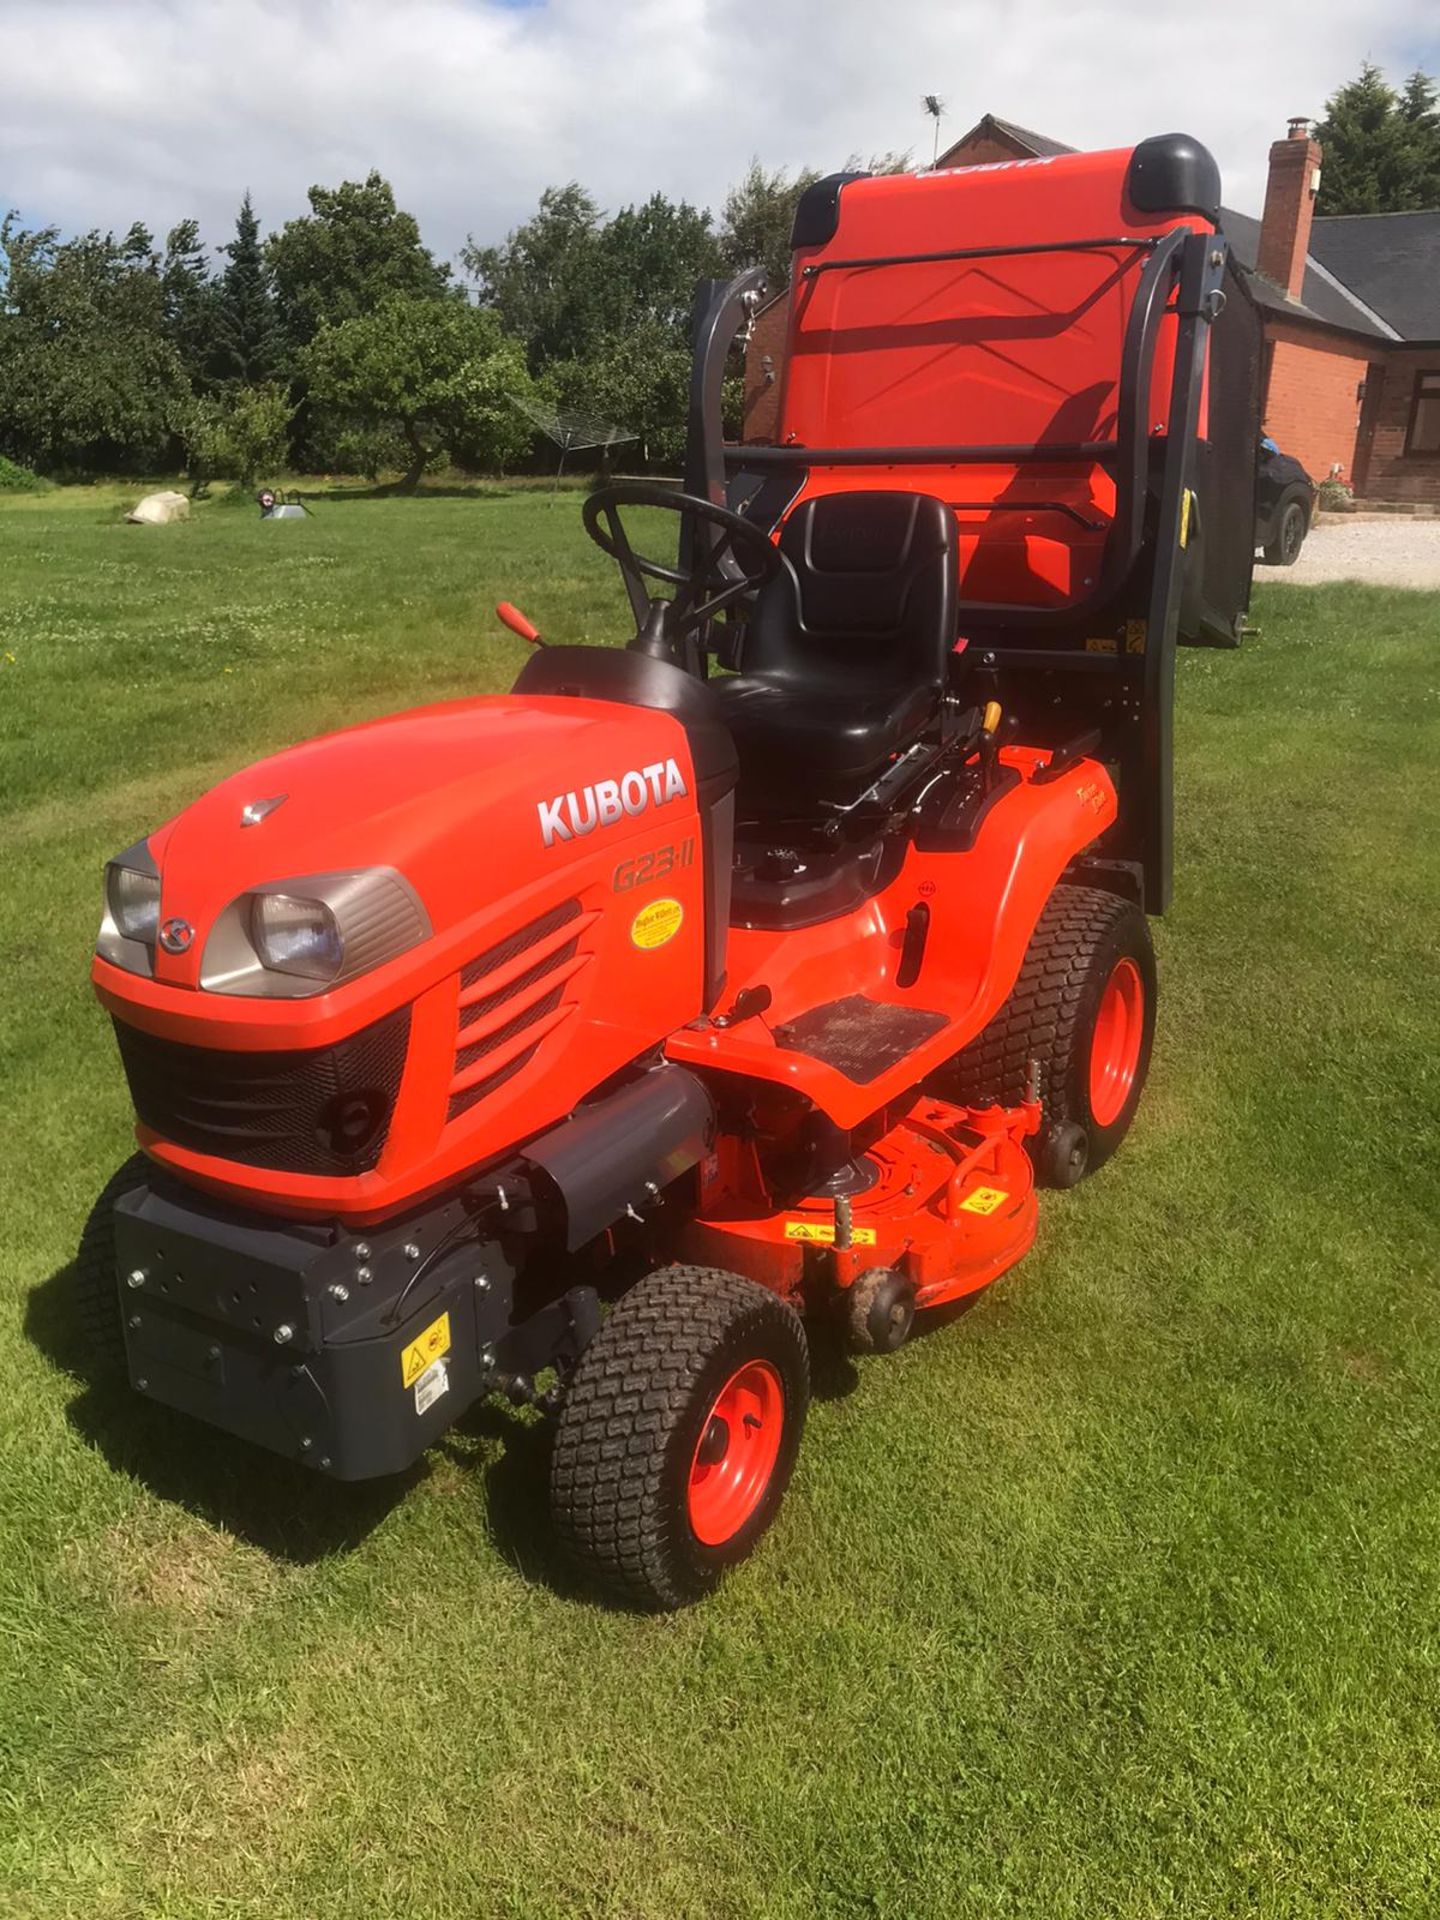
{"x":1184,"y":263}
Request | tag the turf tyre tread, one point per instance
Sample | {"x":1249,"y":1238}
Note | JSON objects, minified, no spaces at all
{"x":1049,"y":1016}
{"x":95,"y":1291}
{"x":632,"y":1417}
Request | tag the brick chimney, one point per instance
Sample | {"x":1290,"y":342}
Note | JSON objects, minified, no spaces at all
{"x":1289,"y":208}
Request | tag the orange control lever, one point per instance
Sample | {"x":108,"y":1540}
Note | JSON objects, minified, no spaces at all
{"x":517,"y":623}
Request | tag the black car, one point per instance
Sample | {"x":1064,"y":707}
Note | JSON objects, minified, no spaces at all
{"x":1284,"y":505}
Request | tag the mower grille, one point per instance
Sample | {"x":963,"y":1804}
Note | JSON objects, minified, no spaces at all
{"x":514,"y":944}
{"x":526,"y":992}
{"x":324,"y":1110}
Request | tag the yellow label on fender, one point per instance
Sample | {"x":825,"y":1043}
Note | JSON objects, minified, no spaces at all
{"x":983,"y":1200}
{"x":821,"y":1233}
{"x":426,"y":1350}
{"x":656,"y":924}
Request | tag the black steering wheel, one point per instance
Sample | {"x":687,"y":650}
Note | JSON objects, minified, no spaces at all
{"x":732,"y":557}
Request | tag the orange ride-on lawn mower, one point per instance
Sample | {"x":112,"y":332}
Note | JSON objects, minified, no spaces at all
{"x":730,"y":1002}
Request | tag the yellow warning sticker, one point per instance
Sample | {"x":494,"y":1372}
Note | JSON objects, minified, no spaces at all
{"x":656,"y":924}
{"x":821,"y":1233}
{"x":1102,"y":643}
{"x":1186,"y":501}
{"x":1134,"y":636}
{"x":983,"y":1200}
{"x":426,"y":1350}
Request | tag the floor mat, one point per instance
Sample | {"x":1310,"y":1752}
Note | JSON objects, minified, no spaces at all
{"x":860,"y":1038}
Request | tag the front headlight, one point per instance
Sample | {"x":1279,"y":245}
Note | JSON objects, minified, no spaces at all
{"x":298,"y":937}
{"x":134,"y":902}
{"x":132,"y":910}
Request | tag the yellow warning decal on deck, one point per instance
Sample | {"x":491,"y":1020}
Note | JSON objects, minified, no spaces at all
{"x":426,"y":1350}
{"x":821,"y":1233}
{"x":983,"y":1200}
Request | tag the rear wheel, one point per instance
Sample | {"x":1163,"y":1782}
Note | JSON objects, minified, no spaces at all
{"x":1084,"y":1010}
{"x":679,"y":1433}
{"x":1290,"y":531}
{"x":96,"y":1283}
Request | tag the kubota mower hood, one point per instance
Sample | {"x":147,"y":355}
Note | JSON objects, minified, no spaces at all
{"x":459,"y":805}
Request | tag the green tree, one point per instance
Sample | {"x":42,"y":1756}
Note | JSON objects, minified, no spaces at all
{"x":756,"y":219}
{"x":238,"y":434}
{"x":190,"y":300}
{"x":1382,"y":149}
{"x":568,"y":279}
{"x":543,"y":281}
{"x":638,"y":380}
{"x":1420,"y":110}
{"x":352,"y":250}
{"x":759,"y":213}
{"x":651,"y":257}
{"x":89,"y":376}
{"x":249,"y":346}
{"x":438,"y":372}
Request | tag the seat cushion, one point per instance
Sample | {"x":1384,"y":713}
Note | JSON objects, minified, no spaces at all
{"x":829,"y":738}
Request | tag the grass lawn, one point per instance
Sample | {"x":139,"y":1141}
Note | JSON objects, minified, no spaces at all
{"x":1116,"y":1597}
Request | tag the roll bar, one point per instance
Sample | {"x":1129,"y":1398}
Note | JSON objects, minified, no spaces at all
{"x":1151,"y":506}
{"x":1126,"y":454}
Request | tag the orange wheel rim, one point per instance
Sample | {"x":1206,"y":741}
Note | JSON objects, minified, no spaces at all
{"x":1115,"y":1043}
{"x":735,"y":1456}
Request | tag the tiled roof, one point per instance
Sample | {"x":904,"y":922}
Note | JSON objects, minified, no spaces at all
{"x":1391,"y":261}
{"x":1322,"y":297}
{"x":1038,"y":144}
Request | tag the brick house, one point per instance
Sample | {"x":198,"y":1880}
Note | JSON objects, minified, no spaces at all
{"x":1352,"y":321}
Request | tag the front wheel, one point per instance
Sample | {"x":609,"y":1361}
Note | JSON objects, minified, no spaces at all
{"x":678,"y":1434}
{"x":95,"y":1286}
{"x":1083,"y":1009}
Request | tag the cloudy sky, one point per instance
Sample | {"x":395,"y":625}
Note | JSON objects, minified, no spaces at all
{"x":114,"y":110}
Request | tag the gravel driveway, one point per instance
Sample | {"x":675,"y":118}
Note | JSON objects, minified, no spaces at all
{"x":1383,"y":553}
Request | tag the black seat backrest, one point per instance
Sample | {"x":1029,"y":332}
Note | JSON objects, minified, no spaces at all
{"x":874,"y":594}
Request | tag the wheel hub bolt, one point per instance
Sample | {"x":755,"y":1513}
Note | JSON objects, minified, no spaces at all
{"x":283,"y":1333}
{"x":137,"y":1278}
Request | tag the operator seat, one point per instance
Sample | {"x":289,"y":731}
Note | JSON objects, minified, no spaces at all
{"x":845,"y":657}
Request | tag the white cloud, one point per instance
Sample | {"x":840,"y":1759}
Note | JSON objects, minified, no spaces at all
{"x":113,"y":110}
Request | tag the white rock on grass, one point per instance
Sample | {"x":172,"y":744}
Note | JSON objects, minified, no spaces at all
{"x":159,"y":510}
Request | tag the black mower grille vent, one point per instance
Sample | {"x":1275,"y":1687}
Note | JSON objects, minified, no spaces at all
{"x":325,"y":1110}
{"x":526,"y":992}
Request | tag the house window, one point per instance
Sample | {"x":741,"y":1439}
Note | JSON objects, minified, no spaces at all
{"x":1424,"y":434}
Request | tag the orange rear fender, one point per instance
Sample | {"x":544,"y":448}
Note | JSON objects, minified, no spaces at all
{"x":983,"y":905}
{"x":986,"y":903}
